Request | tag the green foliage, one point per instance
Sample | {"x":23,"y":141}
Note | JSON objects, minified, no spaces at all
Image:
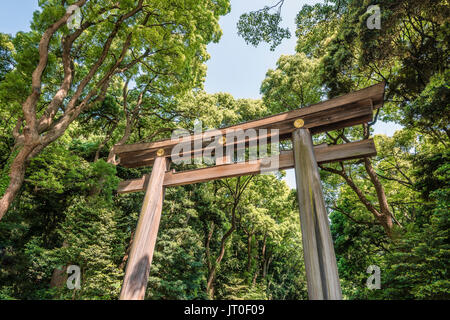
{"x":94,"y":244}
{"x":410,"y":53}
{"x":6,"y":61}
{"x":58,"y":206}
{"x":4,"y":176}
{"x":418,"y":268}
{"x":238,"y":290}
{"x":178,"y":264}
{"x":431,"y":108}
{"x":316,"y":25}
{"x":293,"y":84}
{"x":431,"y":170}
{"x":68,"y":213}
{"x":262,"y":26}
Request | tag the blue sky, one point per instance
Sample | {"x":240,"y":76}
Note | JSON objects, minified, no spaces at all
{"x":16,"y":15}
{"x":234,"y":67}
{"x":238,"y":68}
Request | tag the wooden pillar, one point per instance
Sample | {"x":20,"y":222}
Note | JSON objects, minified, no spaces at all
{"x":141,"y":254}
{"x":320,"y":260}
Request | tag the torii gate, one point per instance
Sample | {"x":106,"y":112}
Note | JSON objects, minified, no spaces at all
{"x":320,"y":260}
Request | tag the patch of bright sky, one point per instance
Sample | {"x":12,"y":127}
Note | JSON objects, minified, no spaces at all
{"x":234,"y":67}
{"x":16,"y":15}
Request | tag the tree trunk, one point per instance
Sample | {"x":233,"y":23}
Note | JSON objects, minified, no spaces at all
{"x":249,"y":252}
{"x":212,"y":273}
{"x":32,"y":139}
{"x":17,"y":176}
{"x":255,"y":277}
{"x":386,"y":214}
{"x":59,"y":277}
{"x":127,"y":252}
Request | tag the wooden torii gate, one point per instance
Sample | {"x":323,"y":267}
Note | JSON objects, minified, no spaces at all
{"x":320,"y":260}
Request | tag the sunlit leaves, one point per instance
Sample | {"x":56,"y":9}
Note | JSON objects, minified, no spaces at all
{"x":293,"y":84}
{"x":262,"y":26}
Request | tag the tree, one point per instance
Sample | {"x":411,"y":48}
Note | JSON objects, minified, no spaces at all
{"x":292,"y":85}
{"x":263,"y":26}
{"x":6,"y":49}
{"x":349,"y":56}
{"x":114,"y":38}
{"x":58,"y":222}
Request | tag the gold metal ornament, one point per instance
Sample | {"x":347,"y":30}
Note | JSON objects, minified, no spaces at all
{"x":299,"y":123}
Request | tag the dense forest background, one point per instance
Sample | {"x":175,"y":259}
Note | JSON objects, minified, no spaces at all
{"x":133,"y":72}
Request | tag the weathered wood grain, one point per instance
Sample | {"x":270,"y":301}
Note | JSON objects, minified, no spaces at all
{"x":141,"y":254}
{"x":330,"y":119}
{"x":340,"y":105}
{"x":320,"y":260}
{"x":323,"y":154}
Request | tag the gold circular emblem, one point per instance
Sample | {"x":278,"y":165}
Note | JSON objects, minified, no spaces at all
{"x":299,"y":123}
{"x":160,"y":152}
{"x":223,"y":140}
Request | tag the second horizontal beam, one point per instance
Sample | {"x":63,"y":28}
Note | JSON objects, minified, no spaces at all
{"x":327,"y":154}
